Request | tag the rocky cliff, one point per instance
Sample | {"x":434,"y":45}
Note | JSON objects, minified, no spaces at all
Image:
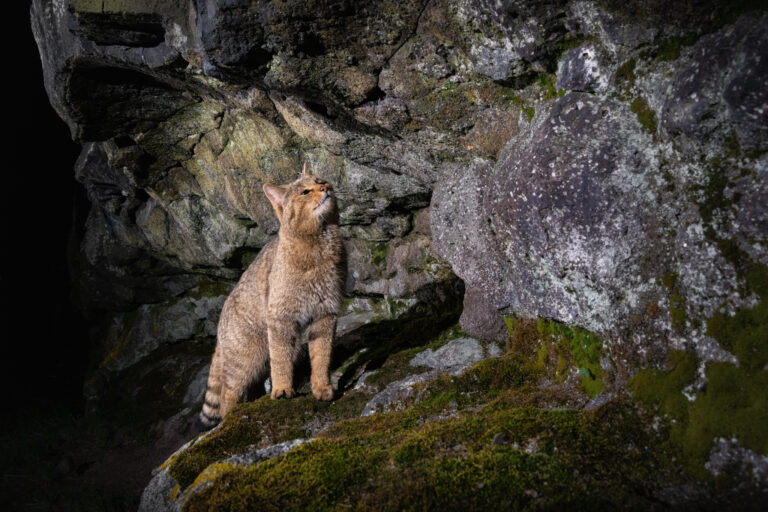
{"x":584,"y":182}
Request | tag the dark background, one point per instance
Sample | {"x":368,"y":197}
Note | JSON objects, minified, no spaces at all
{"x":45,"y":339}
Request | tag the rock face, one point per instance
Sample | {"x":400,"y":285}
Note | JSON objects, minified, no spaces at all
{"x":595,"y":164}
{"x":619,"y":209}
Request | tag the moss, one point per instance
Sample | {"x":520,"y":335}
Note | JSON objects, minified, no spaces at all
{"x":625,"y":74}
{"x":732,"y":146}
{"x":662,"y":389}
{"x":379,"y":253}
{"x":510,"y":95}
{"x":713,"y":191}
{"x":547,"y":82}
{"x":558,"y":348}
{"x":262,"y":422}
{"x":645,"y":115}
{"x":211,"y":473}
{"x":676,"y":302}
{"x":265,"y":421}
{"x":733,"y":404}
{"x":489,"y":458}
{"x":669,"y":49}
{"x":583,"y":348}
{"x":745,"y":333}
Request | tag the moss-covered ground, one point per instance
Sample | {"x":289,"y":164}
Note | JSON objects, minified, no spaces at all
{"x":508,"y":433}
{"x":489,"y":457}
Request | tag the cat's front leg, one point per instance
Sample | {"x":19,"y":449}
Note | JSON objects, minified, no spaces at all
{"x":320,"y":335}
{"x":282,"y":353}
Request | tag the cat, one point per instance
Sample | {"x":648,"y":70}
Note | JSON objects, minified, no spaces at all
{"x":296,"y":282}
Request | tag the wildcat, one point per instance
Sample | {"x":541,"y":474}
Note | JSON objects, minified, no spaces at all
{"x":296,"y":282}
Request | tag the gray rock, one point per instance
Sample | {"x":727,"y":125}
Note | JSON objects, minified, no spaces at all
{"x":580,"y":69}
{"x":718,"y":83}
{"x":256,"y":455}
{"x":480,"y":319}
{"x":728,"y":456}
{"x":196,"y":389}
{"x":451,"y":359}
{"x":459,"y":352}
{"x":393,"y":397}
{"x":157,"y":495}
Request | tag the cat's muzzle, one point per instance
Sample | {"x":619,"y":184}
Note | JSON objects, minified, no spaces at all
{"x":326,"y":200}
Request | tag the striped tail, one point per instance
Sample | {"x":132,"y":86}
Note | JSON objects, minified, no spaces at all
{"x":210,"y":416}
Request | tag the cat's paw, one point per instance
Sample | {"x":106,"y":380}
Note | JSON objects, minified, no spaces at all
{"x":282,"y":393}
{"x":323,"y":392}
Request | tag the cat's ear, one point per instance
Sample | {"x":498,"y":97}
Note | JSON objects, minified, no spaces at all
{"x":305,"y":172}
{"x":276,"y":196}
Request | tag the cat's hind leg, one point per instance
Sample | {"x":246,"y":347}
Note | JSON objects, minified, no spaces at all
{"x":246,"y":362}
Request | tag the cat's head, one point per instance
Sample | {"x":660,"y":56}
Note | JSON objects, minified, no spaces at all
{"x":304,"y":206}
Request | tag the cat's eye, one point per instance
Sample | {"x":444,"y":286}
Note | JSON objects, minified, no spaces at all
{"x":305,"y":192}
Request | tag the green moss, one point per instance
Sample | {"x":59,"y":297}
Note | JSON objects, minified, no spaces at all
{"x":583,"y":348}
{"x":625,"y":74}
{"x":757,"y":280}
{"x":676,"y":302}
{"x":662,"y":389}
{"x":379,"y":253}
{"x":558,"y":348}
{"x":713,"y":191}
{"x":263,"y":422}
{"x":645,"y":115}
{"x":745,"y":333}
{"x":669,"y":49}
{"x":486,"y":459}
{"x":734,"y":402}
{"x":547,"y":81}
{"x":732,"y":146}
{"x":510,"y":95}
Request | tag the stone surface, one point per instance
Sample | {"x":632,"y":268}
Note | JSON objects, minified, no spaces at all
{"x":451,"y":359}
{"x":458,"y":352}
{"x":480,"y":319}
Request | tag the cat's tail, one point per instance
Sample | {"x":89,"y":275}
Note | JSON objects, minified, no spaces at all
{"x":210,"y":416}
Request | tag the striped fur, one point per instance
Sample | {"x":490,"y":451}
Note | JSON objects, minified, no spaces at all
{"x":295,"y":283}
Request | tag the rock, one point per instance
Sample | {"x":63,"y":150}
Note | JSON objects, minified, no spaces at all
{"x":394,"y":396}
{"x":717,"y":86}
{"x":480,"y":319}
{"x":459,"y":352}
{"x":451,"y":359}
{"x":580,"y":70}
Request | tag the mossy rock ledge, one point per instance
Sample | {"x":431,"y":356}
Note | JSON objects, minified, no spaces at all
{"x":459,"y":424}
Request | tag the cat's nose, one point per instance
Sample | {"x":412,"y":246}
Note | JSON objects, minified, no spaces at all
{"x":325,"y":187}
